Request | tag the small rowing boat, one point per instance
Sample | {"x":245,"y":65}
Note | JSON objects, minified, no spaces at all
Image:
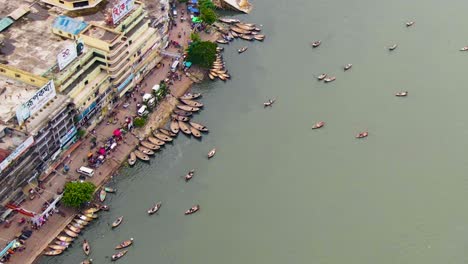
{"x":402,"y":94}
{"x":329,"y":79}
{"x":70,"y":233}
{"x":270,"y":102}
{"x":86,"y":247}
{"x":246,"y":37}
{"x":61,"y":243}
{"x":392,"y":47}
{"x":409,"y":24}
{"x":117,"y":222}
{"x":229,"y":20}
{"x":180,"y":118}
{"x":81,"y":222}
{"x":241,"y":50}
{"x":192,"y":210}
{"x":162,"y":136}
{"x":92,"y":216}
{"x":174,"y":126}
{"x":146,"y":151}
{"x":189,"y":175}
{"x":190,"y":96}
{"x":131,"y":159}
{"x":125,"y":244}
{"x":185,"y":128}
{"x":74,"y":229}
{"x":90,"y":210}
{"x":87,"y":261}
{"x":316,"y":43}
{"x":318,"y":125}
{"x":119,"y":255}
{"x":149,"y":145}
{"x":102,"y":195}
{"x":109,"y":190}
{"x":259,"y":37}
{"x":322,"y":76}
{"x":348,"y":66}
{"x":211,"y":76}
{"x":211,"y":153}
{"x":65,"y":239}
{"x":156,"y":142}
{"x":142,"y":156}
{"x":199,"y":126}
{"x":192,"y":103}
{"x":188,"y":108}
{"x":362,"y":135}
{"x":464,"y":48}
{"x":58,"y":247}
{"x":53,"y":252}
{"x":195,"y":132}
{"x":155,"y":208}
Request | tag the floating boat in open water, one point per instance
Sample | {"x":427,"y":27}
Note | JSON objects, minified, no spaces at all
{"x":211,"y":153}
{"x":142,"y":156}
{"x":86,"y":247}
{"x":155,"y":208}
{"x":270,"y":102}
{"x":199,"y":126}
{"x":174,"y":126}
{"x":184,"y":127}
{"x":392,"y":47}
{"x":409,"y":24}
{"x":125,"y":244}
{"x":402,"y":94}
{"x":189,"y":175}
{"x":243,"y":49}
{"x":464,"y":48}
{"x":318,"y":125}
{"x":329,"y":79}
{"x":192,"y":210}
{"x":316,"y":43}
{"x":117,"y":222}
{"x":154,"y":141}
{"x":109,"y":190}
{"x":222,"y":41}
{"x":322,"y":76}
{"x":362,"y":135}
{"x":347,"y":66}
{"x":119,"y":255}
{"x":259,"y":37}
{"x":131,"y":159}
{"x":87,"y":261}
{"x":102,"y":195}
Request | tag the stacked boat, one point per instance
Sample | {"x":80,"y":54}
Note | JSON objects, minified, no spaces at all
{"x":71,"y":232}
{"x":218,"y":69}
{"x":181,"y":116}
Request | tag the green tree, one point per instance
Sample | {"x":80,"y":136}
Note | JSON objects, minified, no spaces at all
{"x":208,"y":15}
{"x":78,"y":193}
{"x":183,"y":1}
{"x":139,"y":122}
{"x":195,"y":37}
{"x":206,"y":4}
{"x":202,"y":53}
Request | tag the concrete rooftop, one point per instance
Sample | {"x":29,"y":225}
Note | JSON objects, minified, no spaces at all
{"x":29,"y":43}
{"x":12,"y":94}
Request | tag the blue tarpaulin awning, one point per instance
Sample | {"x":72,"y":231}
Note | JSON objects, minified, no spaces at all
{"x":194,"y":1}
{"x":69,"y":25}
{"x":5,"y":250}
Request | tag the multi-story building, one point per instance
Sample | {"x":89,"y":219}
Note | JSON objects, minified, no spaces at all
{"x":63,"y":65}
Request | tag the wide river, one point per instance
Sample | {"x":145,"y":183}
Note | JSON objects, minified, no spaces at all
{"x":278,"y":192}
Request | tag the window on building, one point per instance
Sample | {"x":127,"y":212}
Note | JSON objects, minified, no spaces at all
{"x":80,"y":4}
{"x":61,"y":3}
{"x":130,"y":42}
{"x":86,"y":82}
{"x":60,"y":31}
{"x":78,"y":67}
{"x":17,"y":75}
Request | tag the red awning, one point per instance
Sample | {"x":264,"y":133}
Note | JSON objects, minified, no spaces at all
{"x":117,"y":133}
{"x":102,"y":151}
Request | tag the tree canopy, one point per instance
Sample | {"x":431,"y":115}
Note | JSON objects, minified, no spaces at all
{"x":77,"y":193}
{"x":206,"y":4}
{"x":208,"y":15}
{"x":195,"y":37}
{"x":202,"y":53}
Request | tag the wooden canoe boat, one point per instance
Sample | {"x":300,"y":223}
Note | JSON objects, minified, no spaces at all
{"x":87,"y":261}
{"x":74,"y":229}
{"x":180,"y":118}
{"x":199,"y":126}
{"x":318,"y":125}
{"x":92,"y":216}
{"x":259,"y":37}
{"x":155,"y":208}
{"x":102,"y":195}
{"x":229,"y":20}
{"x":211,"y":76}
{"x":149,"y":145}
{"x":241,"y":50}
{"x":85,"y":218}
{"x":211,"y":153}
{"x":119,"y":255}
{"x":156,"y":141}
{"x":245,"y":27}
{"x":240,"y":31}
{"x":329,"y":79}
{"x":81,"y":222}
{"x":347,"y":66}
{"x":464,"y":48}
{"x":322,"y":76}
{"x":362,"y":135}
{"x":70,"y":233}
{"x":188,"y":108}
{"x":246,"y":37}
{"x":222,"y":41}
{"x":86,"y":247}
{"x":192,"y":103}
{"x":174,"y":126}
{"x":182,"y":112}
{"x":161,"y":136}
{"x":65,"y":238}
{"x":190,"y":96}
{"x":195,"y":132}
{"x":315,"y":44}
{"x":409,"y":24}
{"x":125,"y":244}
{"x":213,"y":73}
{"x":53,"y":252}
{"x":141,"y":155}
{"x":131,"y":159}
{"x":189,"y":175}
{"x":222,"y":78}
{"x":249,"y":24}
{"x":270,"y":102}
{"x":226,"y":76}
{"x":392,"y":47}
{"x":62,"y":243}
{"x":146,"y":151}
{"x":234,"y":34}
{"x":401,"y":94}
{"x":109,"y":190}
{"x":167,"y":132}
{"x":91,"y":210}
{"x":58,"y":247}
{"x":185,"y":128}
{"x":117,"y":222}
{"x":77,"y":225}
{"x":192,"y":210}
